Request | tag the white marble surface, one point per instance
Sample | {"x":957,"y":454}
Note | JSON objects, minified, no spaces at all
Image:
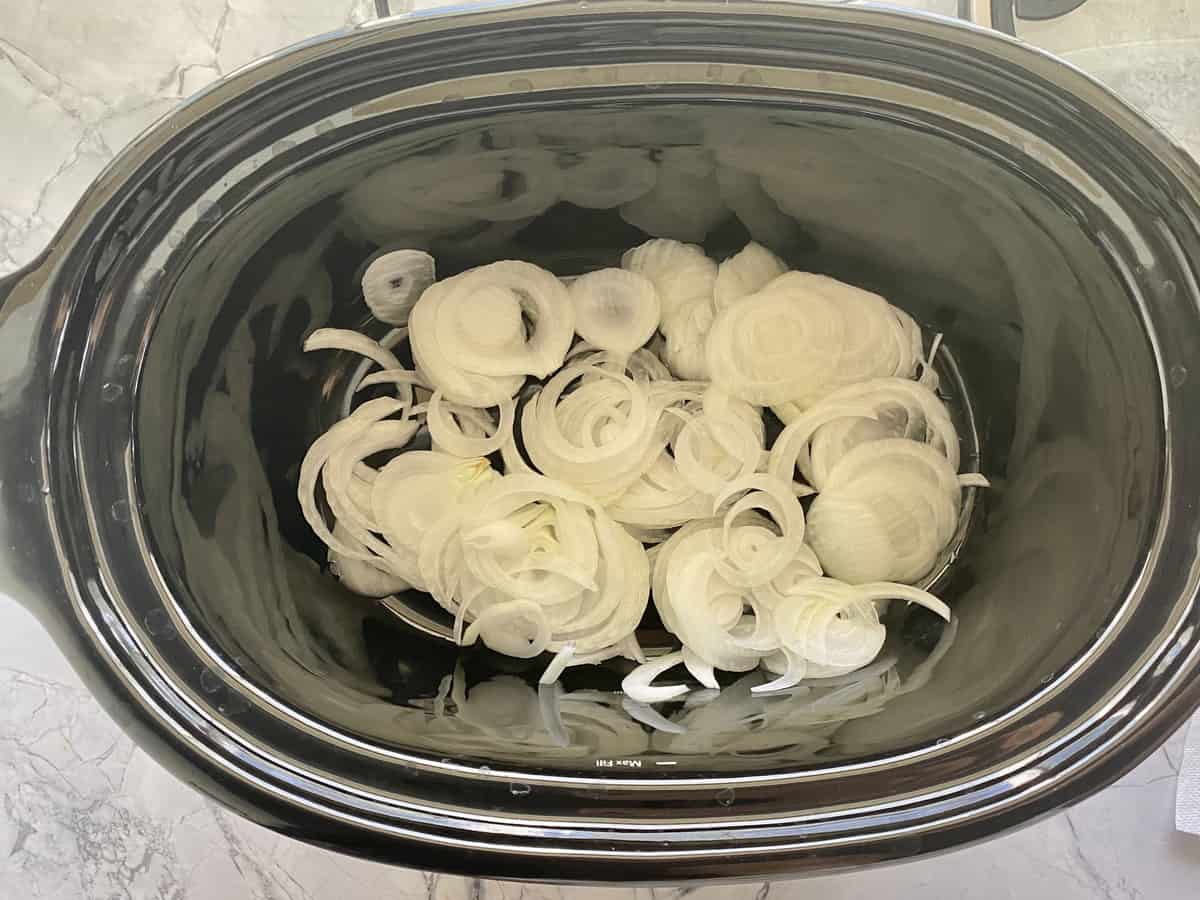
{"x":86,"y":816}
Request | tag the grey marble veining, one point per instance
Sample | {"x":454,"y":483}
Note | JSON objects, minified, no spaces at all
{"x":86,"y":816}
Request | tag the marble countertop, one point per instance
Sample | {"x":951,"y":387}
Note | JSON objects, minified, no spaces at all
{"x":87,"y":816}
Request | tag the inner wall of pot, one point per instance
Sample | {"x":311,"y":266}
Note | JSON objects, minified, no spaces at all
{"x":1054,"y":359}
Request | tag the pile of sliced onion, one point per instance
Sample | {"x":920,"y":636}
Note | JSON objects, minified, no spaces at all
{"x":713,"y":440}
{"x":647,"y":431}
{"x":528,"y":565}
{"x":601,"y":435}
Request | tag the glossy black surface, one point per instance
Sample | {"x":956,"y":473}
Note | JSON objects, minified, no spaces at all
{"x":158,"y":416}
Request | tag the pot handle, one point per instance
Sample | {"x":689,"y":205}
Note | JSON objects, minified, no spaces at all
{"x":29,"y":568}
{"x":1002,"y":15}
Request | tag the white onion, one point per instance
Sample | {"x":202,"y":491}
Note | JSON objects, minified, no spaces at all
{"x":746,"y":272}
{"x":360,"y":576}
{"x":600,"y":437}
{"x":345,"y":433}
{"x":680,"y":272}
{"x":378,"y":352}
{"x":870,"y":410}
{"x":393,"y":282}
{"x":450,"y":437}
{"x":723,"y":442}
{"x":755,"y":562}
{"x":573,"y":574}
{"x":687,"y":337}
{"x":548,"y":557}
{"x":795,"y":668}
{"x":638,"y":685}
{"x":514,"y":627}
{"x":696,"y":603}
{"x":468,"y":337}
{"x":804,"y":335}
{"x":887,"y":510}
{"x":828,"y":623}
{"x":412,"y":493}
{"x":684,"y":278}
{"x":615,"y":310}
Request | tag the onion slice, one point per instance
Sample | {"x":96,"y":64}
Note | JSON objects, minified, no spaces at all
{"x":393,"y":282}
{"x":638,"y":685}
{"x":746,"y":272}
{"x":449,"y":437}
{"x":615,"y":310}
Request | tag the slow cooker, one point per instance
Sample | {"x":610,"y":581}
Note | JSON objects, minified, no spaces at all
{"x":155,"y":405}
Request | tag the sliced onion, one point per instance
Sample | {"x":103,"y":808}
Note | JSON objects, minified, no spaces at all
{"x":804,"y":335}
{"x":413,"y":493}
{"x":898,"y":407}
{"x":342,"y":475}
{"x":360,"y":576}
{"x":759,"y":560}
{"x":615,"y":310}
{"x":394,"y":281}
{"x":342,"y":434}
{"x":515,"y":628}
{"x":531,"y":563}
{"x":724,"y":442}
{"x":887,"y":510}
{"x":700,"y":670}
{"x":378,"y":352}
{"x":746,"y":272}
{"x":681,"y":273}
{"x":827,"y":622}
{"x":794,"y":671}
{"x":638,"y":686}
{"x":695,"y":602}
{"x":468,"y":335}
{"x":450,"y":437}
{"x":601,"y":437}
{"x":687,"y":338}
{"x":890,"y":591}
{"x":354,"y":342}
{"x":530,"y":539}
{"x":392,"y":376}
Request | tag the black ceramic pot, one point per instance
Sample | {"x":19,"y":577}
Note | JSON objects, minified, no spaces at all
{"x":155,"y":404}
